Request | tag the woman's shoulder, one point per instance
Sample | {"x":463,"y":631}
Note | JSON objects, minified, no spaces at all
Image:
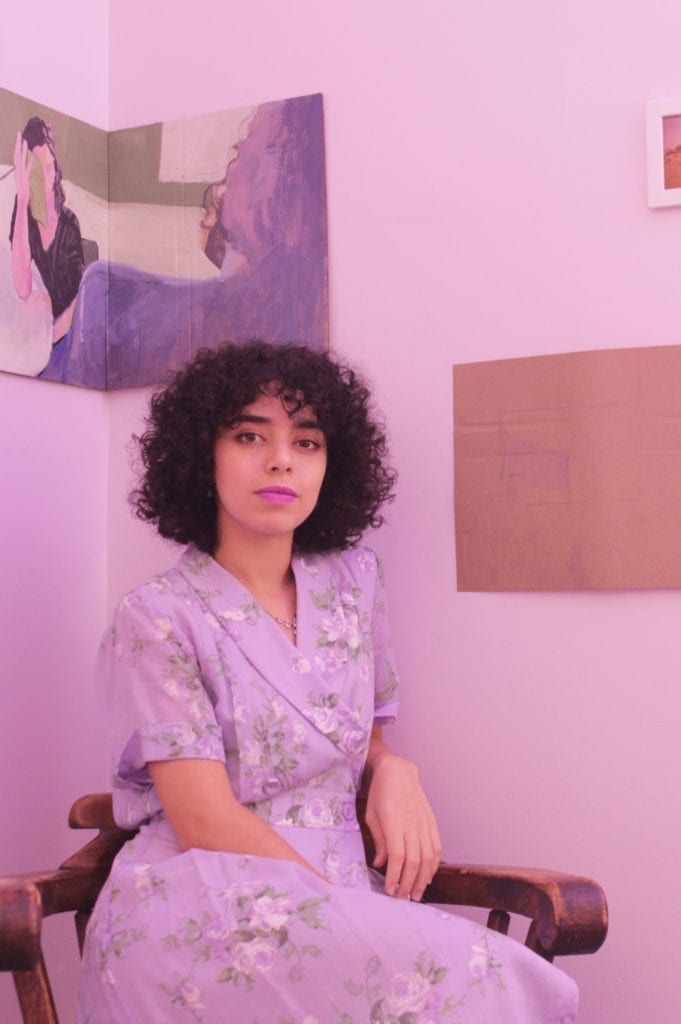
{"x":67,"y":216}
{"x":359,"y":564}
{"x":165,"y":594}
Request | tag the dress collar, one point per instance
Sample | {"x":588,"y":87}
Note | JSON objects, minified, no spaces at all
{"x":313,"y":676}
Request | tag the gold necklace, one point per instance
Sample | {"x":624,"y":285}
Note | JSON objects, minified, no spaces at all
{"x":291,"y":624}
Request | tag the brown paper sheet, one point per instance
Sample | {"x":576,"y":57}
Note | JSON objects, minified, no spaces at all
{"x":568,"y":471}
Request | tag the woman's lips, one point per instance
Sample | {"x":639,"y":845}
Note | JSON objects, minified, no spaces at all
{"x":277,"y":495}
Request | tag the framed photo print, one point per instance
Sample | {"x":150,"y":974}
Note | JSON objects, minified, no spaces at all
{"x":663,"y":125}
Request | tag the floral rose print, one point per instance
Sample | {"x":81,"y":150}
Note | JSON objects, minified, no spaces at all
{"x":247,"y":612}
{"x":309,"y":567}
{"x":414,"y":996}
{"x":389,"y":689}
{"x":341,"y":725}
{"x":343,"y":633}
{"x":192,"y":667}
{"x":301,"y":664}
{"x":257,"y":928}
{"x":366,"y":559}
{"x":408,"y":992}
{"x":148,"y":883}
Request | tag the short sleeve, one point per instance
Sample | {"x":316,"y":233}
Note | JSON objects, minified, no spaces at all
{"x":156,"y":704}
{"x":68,"y":263}
{"x":386,"y":684}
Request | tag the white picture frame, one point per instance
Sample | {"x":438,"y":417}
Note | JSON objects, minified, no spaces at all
{"x":663,"y":128}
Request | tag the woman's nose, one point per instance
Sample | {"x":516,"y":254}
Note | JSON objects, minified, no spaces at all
{"x":279,"y":458}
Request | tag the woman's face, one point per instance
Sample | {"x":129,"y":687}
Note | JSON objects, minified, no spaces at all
{"x":269,"y":469}
{"x":44,"y":157}
{"x":209,"y":218}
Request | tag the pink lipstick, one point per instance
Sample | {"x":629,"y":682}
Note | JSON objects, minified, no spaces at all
{"x":277,"y":495}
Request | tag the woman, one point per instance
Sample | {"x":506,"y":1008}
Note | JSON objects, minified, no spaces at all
{"x":43,"y":229}
{"x":214,"y":238}
{"x":246,"y":691}
{"x":272,"y":284}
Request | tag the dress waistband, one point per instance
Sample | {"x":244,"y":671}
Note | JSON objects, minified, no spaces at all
{"x":321,"y":809}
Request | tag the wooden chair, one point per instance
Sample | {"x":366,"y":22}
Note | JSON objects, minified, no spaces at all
{"x":567,"y":914}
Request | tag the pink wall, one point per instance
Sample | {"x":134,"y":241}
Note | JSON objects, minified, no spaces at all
{"x":486,"y":199}
{"x":53,"y":521}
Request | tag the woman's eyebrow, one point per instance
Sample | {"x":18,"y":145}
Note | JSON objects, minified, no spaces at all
{"x":302,"y":424}
{"x":247,"y":417}
{"x":306,"y":424}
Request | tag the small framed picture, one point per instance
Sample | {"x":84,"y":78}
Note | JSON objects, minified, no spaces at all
{"x":663,"y":124}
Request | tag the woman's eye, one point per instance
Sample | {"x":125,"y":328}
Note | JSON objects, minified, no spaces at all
{"x":247,"y":437}
{"x":308,"y":444}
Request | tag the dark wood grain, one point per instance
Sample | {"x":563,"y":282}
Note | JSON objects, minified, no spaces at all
{"x":569,"y":913}
{"x":35,"y":996}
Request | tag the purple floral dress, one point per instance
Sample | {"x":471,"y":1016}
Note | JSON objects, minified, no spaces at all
{"x":192,"y":666}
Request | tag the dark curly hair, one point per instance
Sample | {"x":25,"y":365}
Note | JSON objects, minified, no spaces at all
{"x":177,"y":488}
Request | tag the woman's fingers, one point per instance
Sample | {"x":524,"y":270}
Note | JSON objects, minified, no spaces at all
{"x":417,"y":858}
{"x":379,"y":843}
{"x":403,"y":827}
{"x":393,"y":874}
{"x":21,"y":155}
{"x":420,"y":863}
{"x":431,"y":854}
{"x":422,"y":876}
{"x":389,"y":845}
{"x":21,"y":167}
{"x":411,"y":865}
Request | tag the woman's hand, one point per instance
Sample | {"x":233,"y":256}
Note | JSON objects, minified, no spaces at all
{"x":20,"y":257}
{"x":22,"y":172}
{"x":401,"y":822}
{"x":203,"y":812}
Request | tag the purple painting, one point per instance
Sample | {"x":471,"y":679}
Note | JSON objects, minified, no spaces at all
{"x":192,"y":233}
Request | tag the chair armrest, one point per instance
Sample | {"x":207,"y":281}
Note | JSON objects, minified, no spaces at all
{"x":94,"y":811}
{"x":26,"y":899}
{"x":569,"y":913}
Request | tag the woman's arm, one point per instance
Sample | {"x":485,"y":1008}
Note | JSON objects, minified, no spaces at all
{"x":401,"y":821}
{"x":63,"y":323}
{"x":20,"y":258}
{"x":203,"y":812}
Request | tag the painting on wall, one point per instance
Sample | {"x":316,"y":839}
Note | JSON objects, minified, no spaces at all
{"x":568,"y":471}
{"x":127,"y":251}
{"x":663,"y":128}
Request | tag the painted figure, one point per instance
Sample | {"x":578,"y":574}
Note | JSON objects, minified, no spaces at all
{"x":43,"y":229}
{"x":213,"y":235}
{"x":246,"y":691}
{"x":264,"y":223}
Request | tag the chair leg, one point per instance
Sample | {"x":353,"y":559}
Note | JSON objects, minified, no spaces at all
{"x":532,"y":943}
{"x":498,"y":921}
{"x":35,"y":996}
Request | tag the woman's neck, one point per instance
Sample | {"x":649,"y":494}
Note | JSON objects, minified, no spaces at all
{"x":48,"y":230}
{"x":262,"y":565}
